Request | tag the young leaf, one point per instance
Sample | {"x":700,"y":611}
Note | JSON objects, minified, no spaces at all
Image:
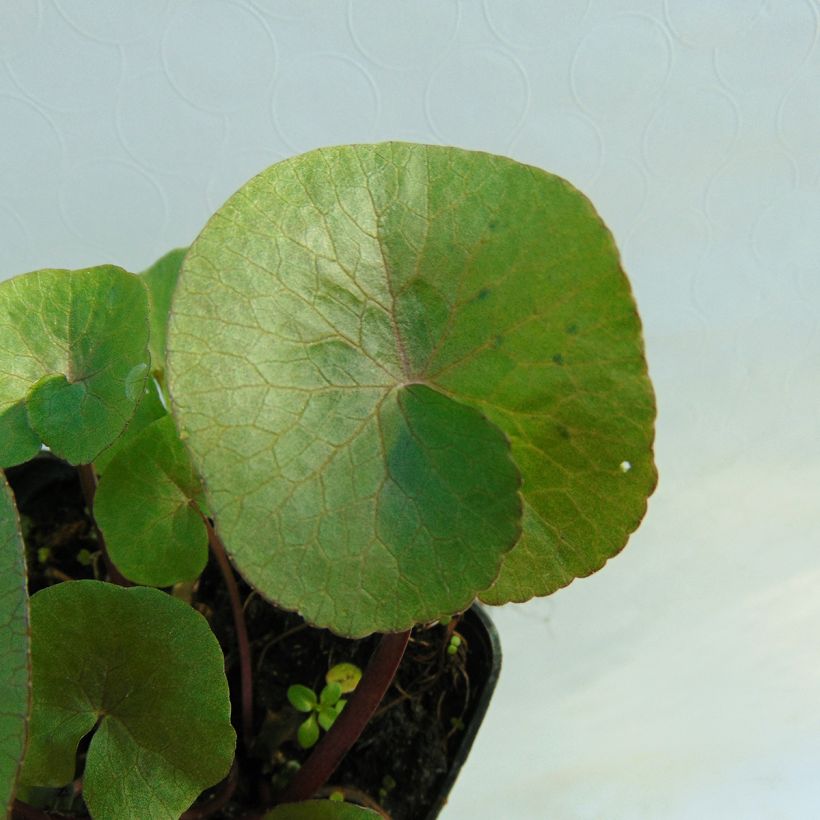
{"x":330,"y":694}
{"x":142,"y":505}
{"x":148,"y":410}
{"x":14,"y":646}
{"x":308,"y":733}
{"x":73,"y":361}
{"x":347,"y":675}
{"x":148,"y":673}
{"x":357,"y":335}
{"x":320,"y":810}
{"x":161,"y":279}
{"x":301,"y":698}
{"x":327,"y":716}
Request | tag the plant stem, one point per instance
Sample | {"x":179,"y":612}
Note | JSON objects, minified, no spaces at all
{"x":349,"y":725}
{"x":245,"y":672}
{"x":88,"y":481}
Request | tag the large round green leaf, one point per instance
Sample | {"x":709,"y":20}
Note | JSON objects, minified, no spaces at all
{"x":145,"y":672}
{"x":357,"y":335}
{"x":14,"y":649}
{"x":73,"y":361}
{"x":143,"y":506}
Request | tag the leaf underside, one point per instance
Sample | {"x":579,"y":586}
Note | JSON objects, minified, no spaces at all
{"x":14,"y":646}
{"x":393,"y":362}
{"x":151,"y":684}
{"x":73,"y":361}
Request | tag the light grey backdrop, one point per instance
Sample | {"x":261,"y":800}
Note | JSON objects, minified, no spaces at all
{"x":683,"y":681}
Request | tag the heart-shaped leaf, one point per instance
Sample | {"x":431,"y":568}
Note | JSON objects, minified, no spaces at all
{"x":145,"y":672}
{"x":143,"y":506}
{"x":14,"y":646}
{"x":356,"y":337}
{"x":73,"y":361}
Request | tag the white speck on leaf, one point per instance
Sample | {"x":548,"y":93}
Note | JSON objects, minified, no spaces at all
{"x":625,"y":466}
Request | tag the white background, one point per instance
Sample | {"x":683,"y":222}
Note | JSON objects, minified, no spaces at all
{"x":683,"y":681}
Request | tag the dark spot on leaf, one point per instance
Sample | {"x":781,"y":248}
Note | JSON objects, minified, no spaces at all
{"x":563,"y":432}
{"x":498,"y":341}
{"x":573,"y":329}
{"x":492,"y":225}
{"x":483,"y":294}
{"x":558,"y":358}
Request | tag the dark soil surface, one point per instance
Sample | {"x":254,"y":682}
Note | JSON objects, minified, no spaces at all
{"x":400,"y":761}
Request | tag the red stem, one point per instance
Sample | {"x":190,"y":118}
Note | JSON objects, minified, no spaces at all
{"x":351,"y":722}
{"x":88,"y":481}
{"x":246,"y":674}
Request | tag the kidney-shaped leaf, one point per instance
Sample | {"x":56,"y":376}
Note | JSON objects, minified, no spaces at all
{"x":73,"y":361}
{"x":14,"y":649}
{"x":356,"y":337}
{"x":147,"y":672}
{"x":143,"y":507}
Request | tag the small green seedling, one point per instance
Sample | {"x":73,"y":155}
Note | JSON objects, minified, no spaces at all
{"x":453,"y":646}
{"x":324,"y":709}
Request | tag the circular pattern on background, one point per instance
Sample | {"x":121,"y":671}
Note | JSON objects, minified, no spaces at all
{"x":786,"y":231}
{"x":619,"y":193}
{"x":477,"y":98}
{"x":291,"y":9}
{"x":65,"y":73}
{"x":113,"y":21}
{"x":113,"y":205}
{"x":161,"y":131}
{"x":565,"y":143}
{"x":706,"y":23}
{"x":771,"y":49}
{"x":659,"y":255}
{"x":30,"y":147}
{"x":21,"y":22}
{"x":219,"y":56}
{"x":324,"y":99}
{"x":798,"y":120}
{"x":691,"y":133}
{"x":746,"y":185}
{"x":15,"y":242}
{"x":620,"y":66}
{"x":403,"y":33}
{"x":534,"y":23}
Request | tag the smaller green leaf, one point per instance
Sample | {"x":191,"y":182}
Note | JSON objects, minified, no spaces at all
{"x":330,"y":694}
{"x":14,"y":646}
{"x":308,"y":733}
{"x":320,"y":810}
{"x":302,"y":698}
{"x":340,"y":704}
{"x":146,"y":674}
{"x":347,"y":675}
{"x":161,"y":279}
{"x":143,"y":507}
{"x":149,"y":409}
{"x":73,"y":360}
{"x":326,"y":717}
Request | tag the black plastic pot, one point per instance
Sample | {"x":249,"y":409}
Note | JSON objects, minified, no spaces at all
{"x":483,"y":667}
{"x":46,"y":480}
